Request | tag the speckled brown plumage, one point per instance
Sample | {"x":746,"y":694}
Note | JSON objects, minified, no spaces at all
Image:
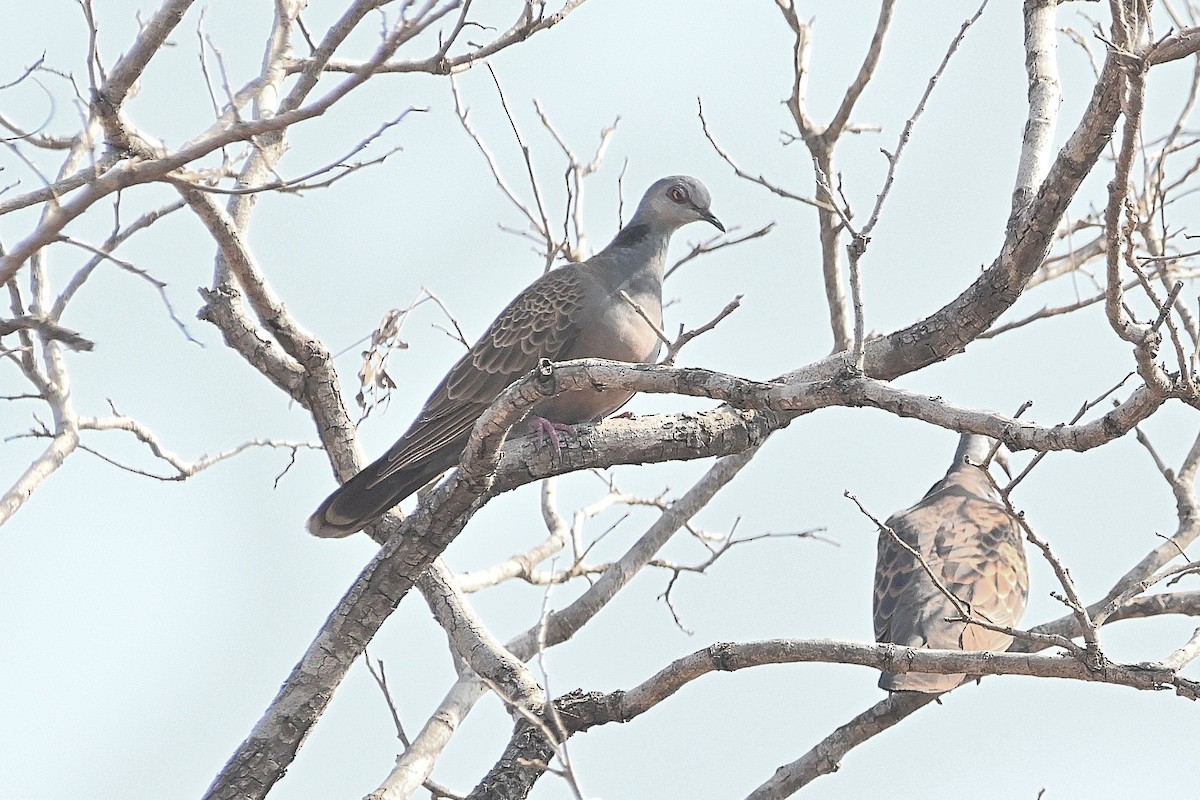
{"x":575,"y":311}
{"x":963,"y":531}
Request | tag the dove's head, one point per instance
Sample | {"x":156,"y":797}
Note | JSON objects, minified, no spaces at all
{"x":975,"y":449}
{"x":972,"y":454}
{"x":673,"y":202}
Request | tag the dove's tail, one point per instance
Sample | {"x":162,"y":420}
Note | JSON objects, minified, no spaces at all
{"x":365,"y":497}
{"x":918,"y":682}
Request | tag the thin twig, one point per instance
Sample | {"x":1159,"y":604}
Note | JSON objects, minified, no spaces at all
{"x":716,"y":243}
{"x":673,"y":348}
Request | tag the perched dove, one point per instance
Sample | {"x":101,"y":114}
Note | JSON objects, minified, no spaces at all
{"x":574,"y":311}
{"x":973,"y":545}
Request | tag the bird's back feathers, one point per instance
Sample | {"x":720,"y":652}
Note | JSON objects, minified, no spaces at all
{"x":973,"y":546}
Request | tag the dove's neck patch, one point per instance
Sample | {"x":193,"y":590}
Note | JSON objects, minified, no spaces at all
{"x":631,"y":235}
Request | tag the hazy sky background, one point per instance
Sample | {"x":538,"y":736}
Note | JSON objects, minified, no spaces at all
{"x":147,"y":625}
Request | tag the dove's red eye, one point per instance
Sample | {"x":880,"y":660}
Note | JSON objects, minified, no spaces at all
{"x":677,"y":194}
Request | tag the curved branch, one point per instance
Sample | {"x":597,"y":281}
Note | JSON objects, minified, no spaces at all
{"x":160,"y":165}
{"x":442,"y":64}
{"x":578,"y":711}
{"x":865,"y":71}
{"x":827,"y":756}
{"x":474,"y":643}
{"x":487,"y":470}
{"x":950,"y":329}
{"x":1045,"y":95}
{"x":1181,"y":45}
{"x":65,"y":442}
{"x":416,"y":764}
{"x":410,"y":547}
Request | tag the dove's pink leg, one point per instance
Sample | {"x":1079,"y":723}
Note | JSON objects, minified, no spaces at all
{"x":545,"y":427}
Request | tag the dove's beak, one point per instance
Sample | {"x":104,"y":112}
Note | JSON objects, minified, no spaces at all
{"x":1001,"y":458}
{"x":708,"y":216}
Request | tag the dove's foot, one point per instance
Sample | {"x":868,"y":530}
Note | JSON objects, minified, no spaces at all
{"x":548,"y":429}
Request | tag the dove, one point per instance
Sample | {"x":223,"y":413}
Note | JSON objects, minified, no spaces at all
{"x":574,"y":311}
{"x":966,"y":535}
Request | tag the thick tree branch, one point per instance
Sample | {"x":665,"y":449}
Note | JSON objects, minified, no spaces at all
{"x":474,"y":643}
{"x":416,"y":764}
{"x":48,"y":330}
{"x":950,"y":329}
{"x":1045,"y":95}
{"x":624,"y":706}
{"x":827,"y":756}
{"x":410,"y":547}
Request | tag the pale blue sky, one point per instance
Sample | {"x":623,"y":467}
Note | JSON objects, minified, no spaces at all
{"x":146,"y":625}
